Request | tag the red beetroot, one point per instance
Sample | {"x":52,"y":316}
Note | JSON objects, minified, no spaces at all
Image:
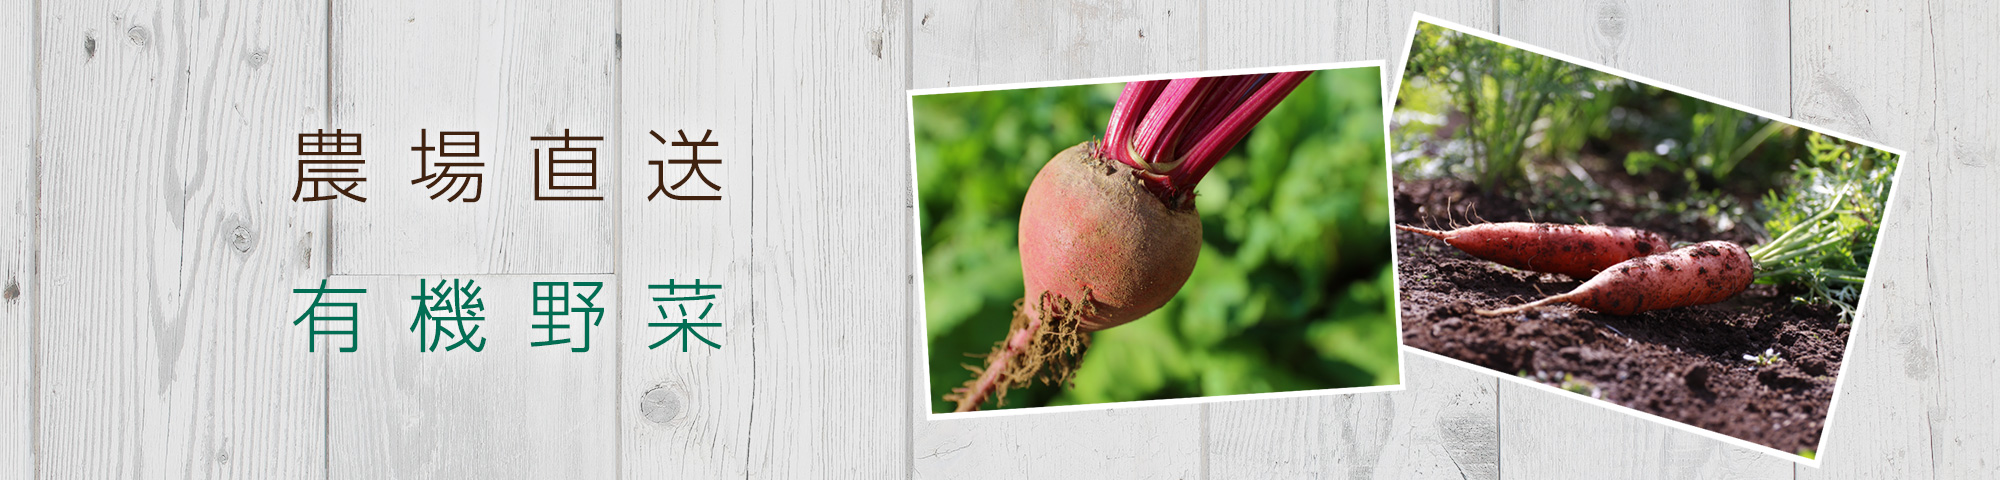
{"x":1108,"y":230}
{"x":1090,"y":230}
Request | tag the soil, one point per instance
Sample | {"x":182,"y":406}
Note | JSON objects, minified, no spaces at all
{"x":1685,"y":364}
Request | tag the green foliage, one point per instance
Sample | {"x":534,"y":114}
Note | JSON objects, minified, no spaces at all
{"x":1824,"y":227}
{"x":1720,"y":139}
{"x":1504,"y":92}
{"x":1526,"y":125}
{"x":1292,"y":290}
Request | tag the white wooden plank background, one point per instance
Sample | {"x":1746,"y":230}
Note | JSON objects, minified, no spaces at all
{"x":1443,"y":425}
{"x":104,"y":381}
{"x":830,"y":394}
{"x":17,"y":248}
{"x":510,"y":411}
{"x":241,"y":399}
{"x":507,"y":69}
{"x":1273,"y":32}
{"x":159,"y":137}
{"x":1543,"y":435}
{"x":973,"y":43}
{"x":151,"y":149}
{"x":1922,"y":406}
{"x":689,"y":67}
{"x":1735,"y":50}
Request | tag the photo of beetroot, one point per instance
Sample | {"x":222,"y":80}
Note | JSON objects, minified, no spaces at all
{"x":1111,"y":228}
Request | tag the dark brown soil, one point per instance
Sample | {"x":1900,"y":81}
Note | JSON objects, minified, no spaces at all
{"x":1685,"y":364}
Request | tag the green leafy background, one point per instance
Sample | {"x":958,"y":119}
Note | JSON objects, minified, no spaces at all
{"x":1293,"y":288}
{"x":1564,"y":139}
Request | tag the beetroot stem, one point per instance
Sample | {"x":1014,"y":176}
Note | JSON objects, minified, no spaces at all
{"x":1171,"y":113}
{"x":1173,"y":131}
{"x":1125,"y":116}
{"x":1231,"y":94}
{"x":1217,"y":142}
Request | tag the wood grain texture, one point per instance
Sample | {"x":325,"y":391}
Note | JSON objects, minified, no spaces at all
{"x":1144,"y":442}
{"x":693,"y":67}
{"x":1736,"y":50}
{"x":1915,"y":400}
{"x":509,"y":70}
{"x":19,"y":207}
{"x":1442,"y":426}
{"x":1543,"y":435}
{"x":166,"y":241}
{"x":257,"y":407}
{"x":510,"y":411}
{"x":827,"y":164}
{"x":1276,"y":32}
{"x":979,"y":43}
{"x":109,"y":384}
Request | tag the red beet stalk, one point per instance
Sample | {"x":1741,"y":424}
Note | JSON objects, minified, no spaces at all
{"x":1175,"y":130}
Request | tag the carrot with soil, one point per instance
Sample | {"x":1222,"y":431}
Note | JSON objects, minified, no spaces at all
{"x":1702,"y":273}
{"x":1698,"y":274}
{"x":1109,"y":230}
{"x":1579,"y":251}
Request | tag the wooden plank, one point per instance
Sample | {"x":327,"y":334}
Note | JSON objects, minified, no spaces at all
{"x":691,"y":67}
{"x":1914,"y":401}
{"x":18,"y":287}
{"x":113,"y":239}
{"x":971,"y":43}
{"x":829,"y":169}
{"x":1287,"y":33}
{"x":166,"y":144}
{"x":1442,"y":425}
{"x":257,"y":408}
{"x":1544,"y":435}
{"x":1145,"y":442}
{"x":976,"y":43}
{"x":508,"y":70}
{"x":1727,"y":48}
{"x":511,"y":410}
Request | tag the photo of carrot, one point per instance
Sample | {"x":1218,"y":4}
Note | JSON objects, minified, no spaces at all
{"x":1579,"y":251}
{"x":1712,"y":260}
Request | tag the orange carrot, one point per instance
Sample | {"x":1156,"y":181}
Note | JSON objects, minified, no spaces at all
{"x":1579,"y":251}
{"x":1698,"y":274}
